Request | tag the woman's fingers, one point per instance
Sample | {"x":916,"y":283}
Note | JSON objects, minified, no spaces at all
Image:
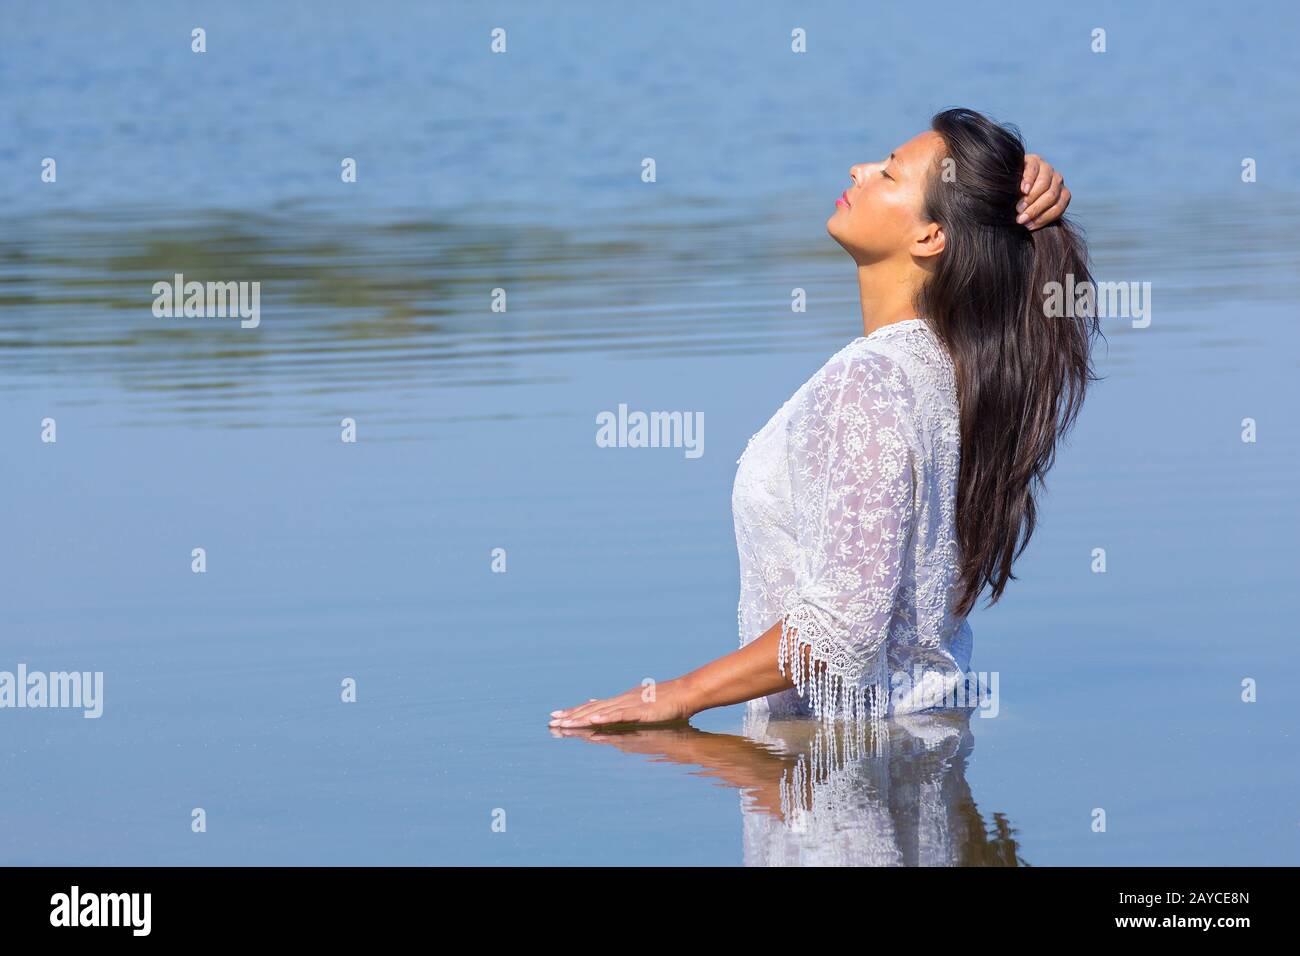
{"x":1036,"y":209}
{"x":1039,"y":182}
{"x":616,"y":710}
{"x":1032,"y":162}
{"x":628,"y":707}
{"x":568,"y":712}
{"x":583,"y":719}
{"x":1054,"y":213}
{"x":578,"y":715}
{"x":1037,"y":192}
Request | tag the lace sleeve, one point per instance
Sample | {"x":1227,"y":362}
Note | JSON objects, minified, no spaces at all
{"x":852,"y":484}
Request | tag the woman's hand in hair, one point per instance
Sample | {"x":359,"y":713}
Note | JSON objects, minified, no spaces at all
{"x":1045,"y":194}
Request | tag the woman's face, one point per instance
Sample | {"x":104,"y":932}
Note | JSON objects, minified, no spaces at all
{"x":882,"y":214}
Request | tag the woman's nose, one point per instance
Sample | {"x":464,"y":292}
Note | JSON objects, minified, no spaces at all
{"x":859,"y":172}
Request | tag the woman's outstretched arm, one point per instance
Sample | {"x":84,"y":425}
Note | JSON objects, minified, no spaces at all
{"x":742,"y":675}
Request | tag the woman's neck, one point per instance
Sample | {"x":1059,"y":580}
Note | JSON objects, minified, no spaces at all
{"x":888,"y":294}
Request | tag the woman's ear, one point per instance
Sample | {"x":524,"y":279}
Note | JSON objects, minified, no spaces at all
{"x":929,"y":241}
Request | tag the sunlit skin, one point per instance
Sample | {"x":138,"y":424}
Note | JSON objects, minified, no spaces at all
{"x":880,"y":223}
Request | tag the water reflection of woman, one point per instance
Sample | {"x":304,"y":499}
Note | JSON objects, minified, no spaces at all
{"x":817,"y":796}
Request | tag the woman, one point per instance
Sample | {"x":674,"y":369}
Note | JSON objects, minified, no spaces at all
{"x":898,"y":482}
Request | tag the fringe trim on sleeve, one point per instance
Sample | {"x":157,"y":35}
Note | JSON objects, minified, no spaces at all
{"x":828,"y":777}
{"x":835,"y":682}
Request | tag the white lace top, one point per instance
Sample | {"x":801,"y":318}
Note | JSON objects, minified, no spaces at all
{"x":844,"y":505}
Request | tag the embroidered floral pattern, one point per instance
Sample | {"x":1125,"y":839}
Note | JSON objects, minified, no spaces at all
{"x":845,"y":509}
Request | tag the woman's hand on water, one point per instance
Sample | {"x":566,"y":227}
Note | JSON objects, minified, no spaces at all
{"x":1045,"y":194}
{"x":666,"y":702}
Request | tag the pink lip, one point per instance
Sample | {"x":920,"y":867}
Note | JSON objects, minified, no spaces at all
{"x":844,"y":198}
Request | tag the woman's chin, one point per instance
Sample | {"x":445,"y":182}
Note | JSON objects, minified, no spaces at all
{"x":835,"y":232}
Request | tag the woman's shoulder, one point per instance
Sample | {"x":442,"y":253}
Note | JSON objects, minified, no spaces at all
{"x":907,"y":343}
{"x":913,"y":349}
{"x":862,"y":378}
{"x":891,"y":365}
{"x":875,"y":364}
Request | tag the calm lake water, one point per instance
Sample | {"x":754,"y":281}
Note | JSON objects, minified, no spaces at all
{"x":372,"y":561}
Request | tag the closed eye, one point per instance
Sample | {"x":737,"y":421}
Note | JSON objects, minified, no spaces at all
{"x":886,"y":175}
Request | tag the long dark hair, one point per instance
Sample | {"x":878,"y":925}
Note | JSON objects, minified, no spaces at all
{"x":1021,"y":373}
